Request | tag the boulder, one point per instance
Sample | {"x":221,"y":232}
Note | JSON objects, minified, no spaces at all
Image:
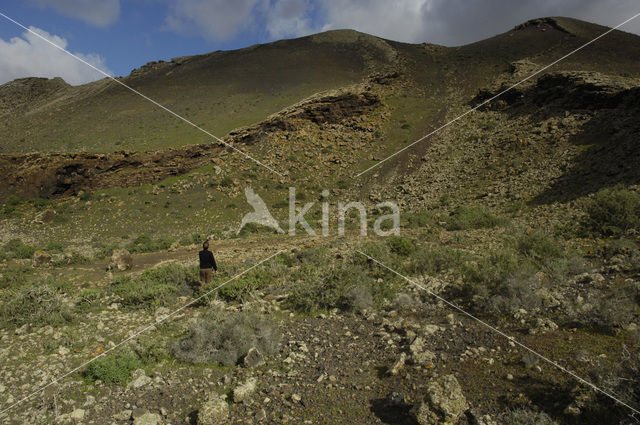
{"x":398,"y":365}
{"x":140,"y":379}
{"x":242,"y":392}
{"x":148,"y":419}
{"x":444,"y":403}
{"x":253,"y":358}
{"x":121,"y":260}
{"x":45,"y":217}
{"x":419,"y":354}
{"x":214,"y":411}
{"x":77,"y":415}
{"x":40,"y":258}
{"x":543,"y":326}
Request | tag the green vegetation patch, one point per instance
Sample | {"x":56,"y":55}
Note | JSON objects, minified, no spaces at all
{"x":613,"y":212}
{"x":113,"y":369}
{"x":37,"y":304}
{"x":156,"y":286}
{"x":472,"y":217}
{"x":342,"y":285}
{"x":145,"y":243}
{"x":15,"y":248}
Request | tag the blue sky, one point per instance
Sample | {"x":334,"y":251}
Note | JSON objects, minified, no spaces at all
{"x":119,"y":35}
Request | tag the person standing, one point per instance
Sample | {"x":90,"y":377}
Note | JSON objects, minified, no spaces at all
{"x":207,"y":265}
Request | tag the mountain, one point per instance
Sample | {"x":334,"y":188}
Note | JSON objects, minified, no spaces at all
{"x":218,"y":91}
{"x":523,"y":214}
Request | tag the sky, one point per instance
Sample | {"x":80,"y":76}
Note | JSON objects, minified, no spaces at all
{"x":117,"y":36}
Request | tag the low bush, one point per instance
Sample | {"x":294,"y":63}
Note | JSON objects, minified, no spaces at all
{"x":226,"y":181}
{"x":113,"y":369}
{"x":73,"y":259}
{"x":37,"y":304}
{"x":615,"y":309}
{"x":526,"y":417}
{"x":326,"y":287}
{"x":156,"y":286}
{"x":261,"y":278}
{"x":222,"y":338}
{"x":539,"y":246}
{"x":40,"y":204}
{"x":435,"y":260}
{"x":54,"y":247}
{"x":89,"y":297}
{"x":613,"y":212}
{"x":253,"y":228}
{"x":419,"y":219}
{"x":400,"y":246}
{"x":15,"y":248}
{"x":510,"y":296}
{"x":10,"y":205}
{"x":472,"y":217}
{"x":14,"y":277}
{"x":191,"y":239}
{"x":144,"y":243}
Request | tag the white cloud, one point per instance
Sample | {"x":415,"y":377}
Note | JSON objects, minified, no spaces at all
{"x":455,"y":22}
{"x":215,"y":20}
{"x":448,"y":22}
{"x":30,"y":56}
{"x":219,"y":20}
{"x":288,"y":18}
{"x":99,"y":13}
{"x":403,"y":20}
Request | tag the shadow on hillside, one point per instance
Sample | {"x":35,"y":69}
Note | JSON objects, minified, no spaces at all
{"x":608,"y":143}
{"x":394,"y":415}
{"x":610,"y":155}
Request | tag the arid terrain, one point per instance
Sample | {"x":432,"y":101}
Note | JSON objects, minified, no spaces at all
{"x":510,"y":295}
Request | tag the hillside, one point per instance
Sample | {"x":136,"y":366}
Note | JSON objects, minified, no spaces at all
{"x":218,"y":91}
{"x":524,"y":213}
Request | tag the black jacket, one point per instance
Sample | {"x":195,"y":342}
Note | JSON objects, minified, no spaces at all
{"x":206,"y":260}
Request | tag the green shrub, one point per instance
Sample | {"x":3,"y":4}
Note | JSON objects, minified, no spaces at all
{"x":89,"y":296}
{"x":37,"y":304}
{"x":400,"y":246}
{"x":613,"y":211}
{"x":539,"y":246}
{"x":154,"y":287}
{"x":472,"y":217}
{"x":152,"y":349}
{"x":326,"y":287}
{"x":73,"y":259}
{"x":191,"y":239}
{"x":497,"y":267}
{"x":226,"y":181}
{"x":222,"y":338}
{"x":615,"y":309}
{"x":54,"y":247}
{"x":263,"y":277}
{"x":144,"y":243}
{"x":113,"y":369}
{"x":432,"y":261}
{"x":252,"y":228}
{"x":420,"y":219}
{"x":105,"y":251}
{"x":40,"y":204}
{"x":13,"y":278}
{"x":16,"y":249}
{"x":508,"y":297}
{"x":13,"y":201}
{"x":10,"y":205}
